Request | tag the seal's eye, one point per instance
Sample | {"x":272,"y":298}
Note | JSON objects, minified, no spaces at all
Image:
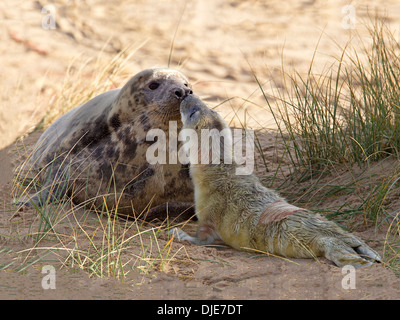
{"x":154,"y":85}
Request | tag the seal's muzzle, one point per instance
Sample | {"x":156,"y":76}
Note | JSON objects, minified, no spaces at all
{"x":192,"y":107}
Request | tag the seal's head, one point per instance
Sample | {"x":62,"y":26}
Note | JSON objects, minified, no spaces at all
{"x":158,"y":92}
{"x":196,"y":115}
{"x":204,"y":125}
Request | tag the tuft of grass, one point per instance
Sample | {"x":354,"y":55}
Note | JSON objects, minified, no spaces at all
{"x":346,"y":116}
{"x":373,"y":118}
{"x":90,"y":236}
{"x":391,"y":247}
{"x":97,"y":240}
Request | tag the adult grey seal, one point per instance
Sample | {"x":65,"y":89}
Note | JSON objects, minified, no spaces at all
{"x":96,"y":153}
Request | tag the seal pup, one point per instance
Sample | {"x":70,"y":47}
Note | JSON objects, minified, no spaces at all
{"x":245,"y":215}
{"x":96,"y":153}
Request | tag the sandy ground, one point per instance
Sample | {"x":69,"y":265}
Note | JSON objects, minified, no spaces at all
{"x":218,"y":44}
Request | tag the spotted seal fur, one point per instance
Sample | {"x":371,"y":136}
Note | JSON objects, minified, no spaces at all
{"x":97,"y":151}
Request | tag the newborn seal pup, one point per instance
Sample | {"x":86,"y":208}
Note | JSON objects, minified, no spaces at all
{"x":245,"y":215}
{"x":96,"y":153}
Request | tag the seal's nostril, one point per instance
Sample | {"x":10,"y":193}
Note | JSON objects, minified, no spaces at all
{"x":182,"y":93}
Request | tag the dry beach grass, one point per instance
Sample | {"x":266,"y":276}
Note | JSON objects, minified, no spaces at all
{"x":288,"y":70}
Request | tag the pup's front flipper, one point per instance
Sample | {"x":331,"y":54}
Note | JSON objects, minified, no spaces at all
{"x":204,"y":235}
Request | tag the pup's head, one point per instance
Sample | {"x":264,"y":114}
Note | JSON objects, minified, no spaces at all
{"x":196,"y":115}
{"x":202,"y":125}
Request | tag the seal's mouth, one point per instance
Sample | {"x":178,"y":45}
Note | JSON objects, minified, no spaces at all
{"x":192,"y":114}
{"x":191,"y":108}
{"x":194,"y":110}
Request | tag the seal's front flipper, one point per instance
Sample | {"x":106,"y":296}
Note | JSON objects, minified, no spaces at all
{"x":28,"y":202}
{"x":182,"y":235}
{"x":204,"y":236}
{"x":54,"y":188}
{"x":42,"y":198}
